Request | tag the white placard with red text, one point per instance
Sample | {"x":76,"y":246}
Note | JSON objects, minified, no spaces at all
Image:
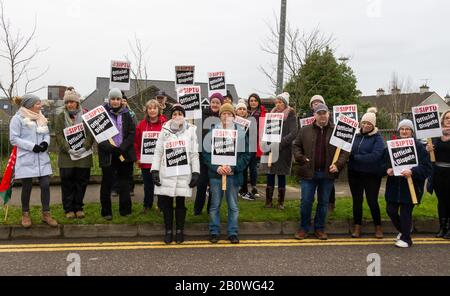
{"x":224,"y":147}
{"x":190,"y":98}
{"x":148,"y":145}
{"x":426,"y":121}
{"x":344,"y":133}
{"x":403,"y":155}
{"x":100,"y":124}
{"x":245,"y":123}
{"x":347,"y":110}
{"x":120,"y":75}
{"x":306,"y":121}
{"x":76,"y":136}
{"x":217,"y":83}
{"x":176,"y":158}
{"x":273,"y":127}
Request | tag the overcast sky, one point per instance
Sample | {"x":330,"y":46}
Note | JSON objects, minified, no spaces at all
{"x":409,"y":37}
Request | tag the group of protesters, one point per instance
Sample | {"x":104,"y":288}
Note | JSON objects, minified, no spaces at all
{"x":309,"y":146}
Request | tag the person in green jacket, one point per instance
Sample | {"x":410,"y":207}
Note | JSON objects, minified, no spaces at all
{"x":74,"y":162}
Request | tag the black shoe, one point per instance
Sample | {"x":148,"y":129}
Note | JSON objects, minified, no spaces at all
{"x":168,"y":238}
{"x":234,"y":239}
{"x":255,"y":193}
{"x":179,"y":236}
{"x":214,"y":238}
{"x":108,"y":217}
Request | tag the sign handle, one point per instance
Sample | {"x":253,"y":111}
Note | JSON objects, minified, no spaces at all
{"x":111,"y":141}
{"x":412,"y":190}
{"x":432,"y":155}
{"x":336,"y":155}
{"x":224,"y":182}
{"x":6,"y":207}
{"x":269,"y":164}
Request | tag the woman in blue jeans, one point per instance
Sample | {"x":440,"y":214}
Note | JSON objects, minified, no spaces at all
{"x":233,"y":175}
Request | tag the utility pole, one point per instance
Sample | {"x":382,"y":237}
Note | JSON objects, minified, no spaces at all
{"x":282,"y":36}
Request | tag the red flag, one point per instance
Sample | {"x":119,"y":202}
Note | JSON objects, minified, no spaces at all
{"x":8,"y":177}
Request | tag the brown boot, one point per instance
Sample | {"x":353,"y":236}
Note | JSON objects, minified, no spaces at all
{"x":378,"y":232}
{"x":281,"y":195}
{"x":47,"y":218}
{"x":26,"y":220}
{"x":269,"y":196}
{"x":356,"y":231}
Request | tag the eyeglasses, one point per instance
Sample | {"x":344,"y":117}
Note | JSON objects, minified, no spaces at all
{"x":116,"y":99}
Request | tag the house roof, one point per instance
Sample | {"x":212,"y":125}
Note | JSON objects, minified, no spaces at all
{"x":101,"y":92}
{"x":400,"y":103}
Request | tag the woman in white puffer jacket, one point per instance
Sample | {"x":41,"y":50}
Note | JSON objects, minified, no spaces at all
{"x":169,"y":186}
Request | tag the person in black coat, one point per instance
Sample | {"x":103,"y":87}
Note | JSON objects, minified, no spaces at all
{"x":118,"y":158}
{"x":398,"y":197}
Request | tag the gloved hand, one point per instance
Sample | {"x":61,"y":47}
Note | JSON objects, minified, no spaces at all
{"x":80,"y":151}
{"x":36,"y":149}
{"x":44,"y":146}
{"x":155,"y":178}
{"x":73,"y":152}
{"x":194,"y":180}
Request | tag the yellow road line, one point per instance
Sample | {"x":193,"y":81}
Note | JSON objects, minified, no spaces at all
{"x":209,"y":245}
{"x":107,"y":244}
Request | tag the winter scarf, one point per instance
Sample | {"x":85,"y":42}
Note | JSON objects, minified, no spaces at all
{"x":31,"y":117}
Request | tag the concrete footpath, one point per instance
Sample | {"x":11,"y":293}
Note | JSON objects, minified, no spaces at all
{"x":200,"y":229}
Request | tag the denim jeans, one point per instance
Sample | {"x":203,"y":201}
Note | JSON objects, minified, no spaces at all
{"x":308,"y":190}
{"x":216,"y":201}
{"x":149,"y":189}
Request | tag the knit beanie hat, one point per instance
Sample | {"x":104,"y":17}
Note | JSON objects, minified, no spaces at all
{"x":70,"y":95}
{"x":406,"y":123}
{"x":177,"y":107}
{"x":216,"y":96}
{"x":284,"y":97}
{"x":115,"y":93}
{"x":241,"y":104}
{"x":370,"y":116}
{"x":316,"y":98}
{"x":227,"y":108}
{"x":29,"y":100}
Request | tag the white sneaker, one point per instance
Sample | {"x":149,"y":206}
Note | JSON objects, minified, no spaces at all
{"x":401,"y":244}
{"x":398,"y":237}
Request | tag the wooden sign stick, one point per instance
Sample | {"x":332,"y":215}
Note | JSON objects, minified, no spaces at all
{"x":224,"y":182}
{"x":412,"y":190}
{"x":111,"y":141}
{"x":432,"y":155}
{"x":336,"y":155}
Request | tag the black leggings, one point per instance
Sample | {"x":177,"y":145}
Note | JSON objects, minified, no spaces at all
{"x":370,"y":184}
{"x":441,"y":185}
{"x":27,"y":185}
{"x":167,"y":209}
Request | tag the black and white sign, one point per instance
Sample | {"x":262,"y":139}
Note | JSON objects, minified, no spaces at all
{"x":184,"y":75}
{"x":148,"y":146}
{"x":426,"y":121}
{"x":75,"y":136}
{"x":403,"y":155}
{"x":307,"y":121}
{"x":273,"y":127}
{"x":176,"y":157}
{"x":344,"y":133}
{"x":100,"y":124}
{"x":190,"y":98}
{"x":245,"y":123}
{"x":347,"y":110}
{"x":224,"y":147}
{"x":120,"y":75}
{"x":216,"y":83}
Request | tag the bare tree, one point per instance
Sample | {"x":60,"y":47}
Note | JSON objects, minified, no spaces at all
{"x":16,"y":50}
{"x":399,"y":102}
{"x":139,"y":70}
{"x":299,"y":45}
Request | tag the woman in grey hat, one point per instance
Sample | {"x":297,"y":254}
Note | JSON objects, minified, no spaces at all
{"x":30,"y":133}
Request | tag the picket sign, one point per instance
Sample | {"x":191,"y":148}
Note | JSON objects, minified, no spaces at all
{"x":427,"y":124}
{"x":226,"y":139}
{"x":412,"y":190}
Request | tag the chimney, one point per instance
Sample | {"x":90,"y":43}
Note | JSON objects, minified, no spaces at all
{"x":424,"y":88}
{"x":447,"y":98}
{"x":380,"y":92}
{"x":395,"y":91}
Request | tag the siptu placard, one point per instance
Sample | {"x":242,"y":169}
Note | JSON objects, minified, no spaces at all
{"x":403,"y":155}
{"x":224,"y":147}
{"x":100,"y":124}
{"x":216,"y":83}
{"x":75,"y":136}
{"x":176,"y":158}
{"x":148,"y":146}
{"x":426,"y":121}
{"x":245,"y":123}
{"x":347,"y":110}
{"x":184,"y":76}
{"x":344,"y":133}
{"x":307,"y":121}
{"x":190,"y":98}
{"x":120,"y":75}
{"x":273,"y":127}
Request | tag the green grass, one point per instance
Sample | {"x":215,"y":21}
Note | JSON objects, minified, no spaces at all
{"x":248,"y":212}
